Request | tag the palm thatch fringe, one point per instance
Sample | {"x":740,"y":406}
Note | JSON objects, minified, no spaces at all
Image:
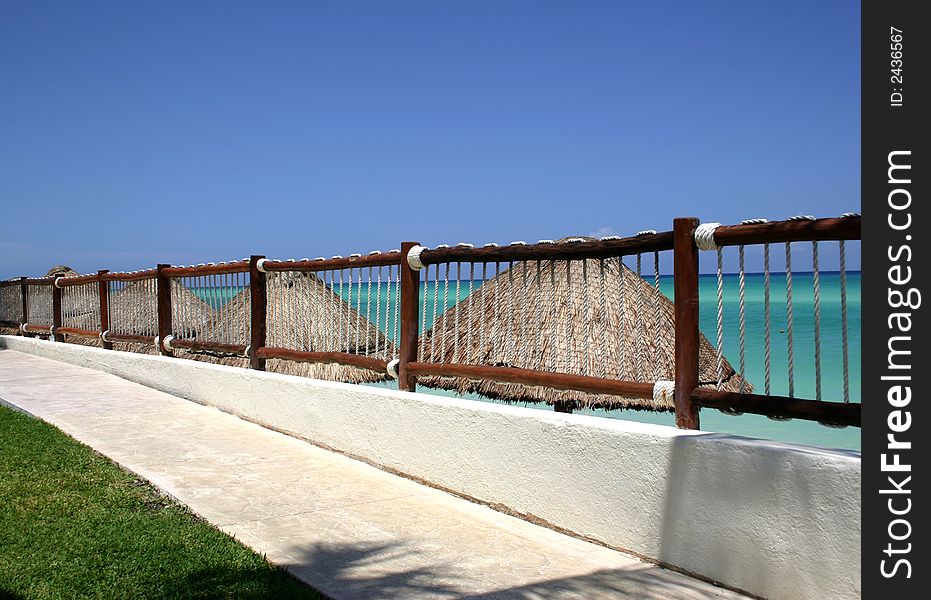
{"x":304,"y":314}
{"x":569,"y":317}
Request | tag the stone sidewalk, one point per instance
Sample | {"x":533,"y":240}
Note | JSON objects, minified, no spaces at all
{"x":348,"y":529}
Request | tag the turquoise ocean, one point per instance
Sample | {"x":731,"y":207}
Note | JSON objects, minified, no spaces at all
{"x":796,"y":431}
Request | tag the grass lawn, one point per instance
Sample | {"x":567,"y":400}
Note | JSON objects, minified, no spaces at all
{"x":75,"y":525}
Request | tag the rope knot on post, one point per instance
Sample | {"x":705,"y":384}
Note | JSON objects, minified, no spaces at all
{"x":704,"y":236}
{"x":413,"y":259}
{"x":663,"y":391}
{"x":260,"y":265}
{"x":167,"y":342}
{"x":393,"y":368}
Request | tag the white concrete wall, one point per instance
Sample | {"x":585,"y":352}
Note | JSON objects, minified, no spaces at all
{"x":775,"y":520}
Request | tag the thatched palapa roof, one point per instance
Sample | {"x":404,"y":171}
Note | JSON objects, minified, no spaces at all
{"x":302,"y":312}
{"x":575,"y":327}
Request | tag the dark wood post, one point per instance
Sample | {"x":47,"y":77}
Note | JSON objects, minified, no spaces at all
{"x":259,"y":303}
{"x":103,"y":289}
{"x":410,"y":302}
{"x":56,"y":312}
{"x":685,"y":273}
{"x":163,"y":295}
{"x":24,"y":292}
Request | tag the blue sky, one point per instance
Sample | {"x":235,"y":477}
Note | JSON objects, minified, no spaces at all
{"x":132,"y":134}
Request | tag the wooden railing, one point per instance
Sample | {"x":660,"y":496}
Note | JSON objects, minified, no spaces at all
{"x":98,"y":305}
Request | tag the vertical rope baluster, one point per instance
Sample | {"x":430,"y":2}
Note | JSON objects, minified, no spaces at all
{"x":368,"y":315}
{"x":397,"y":308}
{"x":445,"y":307}
{"x":359,"y":312}
{"x":498,"y":352}
{"x":586,"y":300}
{"x":425,"y":295}
{"x":457,"y":308}
{"x":471,"y":316}
{"x":743,"y":318}
{"x":843,"y":319}
{"x":767,"y":325}
{"x":640,"y":332}
{"x":602,"y":349}
{"x":622,"y":351}
{"x":817,"y":299}
{"x":348,"y":301}
{"x":658,"y":371}
{"x":789,"y":320}
{"x":553,"y":313}
{"x":484,"y":312}
{"x":538,"y":317}
{"x":436,"y":303}
{"x":720,"y":316}
{"x":511,"y":341}
{"x":569,"y":318}
{"x":378,"y":285}
{"x":524,"y":342}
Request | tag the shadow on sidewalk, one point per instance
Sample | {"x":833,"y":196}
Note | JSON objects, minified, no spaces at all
{"x":392,"y":571}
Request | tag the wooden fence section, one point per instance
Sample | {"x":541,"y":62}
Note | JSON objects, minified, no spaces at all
{"x":567,"y":322}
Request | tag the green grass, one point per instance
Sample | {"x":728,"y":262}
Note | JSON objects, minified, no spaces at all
{"x":75,"y":525}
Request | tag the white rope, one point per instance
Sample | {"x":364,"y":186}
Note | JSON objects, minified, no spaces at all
{"x":368,"y":314}
{"x":482,"y":327}
{"x":392,"y":368}
{"x":622,"y":354}
{"x":378,"y":312}
{"x":260,"y":265}
{"x":657,"y":367}
{"x":445,"y":306}
{"x":523,"y":315}
{"x":640,"y":335}
{"x":436,"y":301}
{"x":646,"y":232}
{"x":421,"y":348}
{"x":58,"y":282}
{"x":413,"y":257}
{"x":789,"y":320}
{"x":588,"y":317}
{"x":817,"y":296}
{"x":470,"y":347}
{"x":704,"y":236}
{"x":457,"y":309}
{"x":538,"y":317}
{"x":743,"y":318}
{"x":767,"y":318}
{"x":843,"y":319}
{"x":103,"y":336}
{"x":720,"y":318}
{"x":397,"y":308}
{"x":664,"y":391}
{"x":569,"y":319}
{"x":602,"y":349}
{"x":167,"y":342}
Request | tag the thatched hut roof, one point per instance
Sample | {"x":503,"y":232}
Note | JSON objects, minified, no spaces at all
{"x":300,"y":310}
{"x":61,"y":271}
{"x":589,"y":335}
{"x":133,"y":310}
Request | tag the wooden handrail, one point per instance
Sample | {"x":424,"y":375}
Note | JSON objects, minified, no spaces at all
{"x":385,"y":259}
{"x":650,"y":242}
{"x":239,"y":266}
{"x":843,"y":228}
